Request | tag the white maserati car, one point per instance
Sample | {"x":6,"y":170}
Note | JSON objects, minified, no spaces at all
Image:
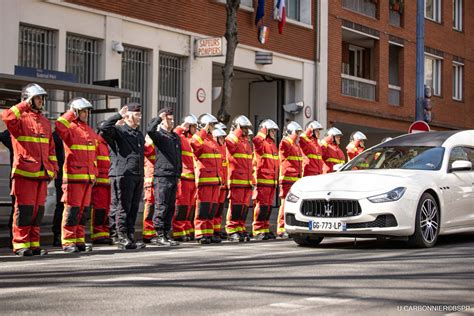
{"x":414,"y":187}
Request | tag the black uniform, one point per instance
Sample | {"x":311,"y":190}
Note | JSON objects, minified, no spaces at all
{"x":6,"y":140}
{"x":58,"y":211}
{"x":127,"y":169}
{"x":168,"y":167}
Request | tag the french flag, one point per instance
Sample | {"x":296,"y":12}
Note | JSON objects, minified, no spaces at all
{"x":281,"y":15}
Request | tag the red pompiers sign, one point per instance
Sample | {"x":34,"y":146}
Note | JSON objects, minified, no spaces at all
{"x":208,"y":47}
{"x":419,"y":126}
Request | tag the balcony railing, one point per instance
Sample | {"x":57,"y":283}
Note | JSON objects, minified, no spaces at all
{"x":365,"y":7}
{"x":358,"y":87}
{"x":395,"y":18}
{"x":394,"y":95}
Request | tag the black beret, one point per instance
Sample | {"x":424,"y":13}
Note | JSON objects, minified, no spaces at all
{"x":168,"y":110}
{"x":134,"y":107}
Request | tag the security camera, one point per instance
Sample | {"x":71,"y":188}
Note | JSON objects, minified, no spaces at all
{"x":118,"y":47}
{"x":293,"y":108}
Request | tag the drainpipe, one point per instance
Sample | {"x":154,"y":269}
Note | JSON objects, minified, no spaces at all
{"x":420,"y":59}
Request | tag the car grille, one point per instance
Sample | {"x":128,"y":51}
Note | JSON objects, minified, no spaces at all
{"x":330,"y":209}
{"x":381,"y":221}
{"x":292,"y":221}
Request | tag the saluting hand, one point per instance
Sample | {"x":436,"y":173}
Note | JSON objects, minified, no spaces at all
{"x":123,"y":110}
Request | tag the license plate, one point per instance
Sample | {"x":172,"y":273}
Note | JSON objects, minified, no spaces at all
{"x":325,"y":225}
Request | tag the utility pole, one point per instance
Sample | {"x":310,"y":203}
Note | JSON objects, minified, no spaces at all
{"x":420,"y":59}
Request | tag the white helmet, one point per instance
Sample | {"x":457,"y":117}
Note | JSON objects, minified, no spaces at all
{"x":333,"y":131}
{"x":241,"y":121}
{"x":31,"y":90}
{"x":222,"y":126}
{"x":190,"y":119}
{"x":207,"y":118}
{"x":217,"y":132}
{"x":314,"y":125}
{"x":79,"y":104}
{"x":358,"y":136}
{"x":293,"y":127}
{"x":269,"y":124}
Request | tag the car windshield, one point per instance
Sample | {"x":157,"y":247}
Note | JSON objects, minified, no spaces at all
{"x":398,"y":157}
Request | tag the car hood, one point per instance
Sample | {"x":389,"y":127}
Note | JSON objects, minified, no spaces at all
{"x":358,"y":181}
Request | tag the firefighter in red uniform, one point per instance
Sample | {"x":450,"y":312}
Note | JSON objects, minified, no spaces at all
{"x":332,"y":154}
{"x":183,"y":220}
{"x":208,"y":179}
{"x":239,"y":153}
{"x":79,"y":174}
{"x":291,"y":169}
{"x":33,"y":166}
{"x":267,"y":163}
{"x":219,"y":136}
{"x":149,"y":231}
{"x":356,"y":146}
{"x":101,"y":195}
{"x":312,"y":160}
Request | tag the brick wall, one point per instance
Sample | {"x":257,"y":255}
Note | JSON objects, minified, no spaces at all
{"x":209,"y":17}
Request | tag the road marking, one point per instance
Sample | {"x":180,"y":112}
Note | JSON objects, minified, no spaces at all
{"x":287,"y":305}
{"x":122,"y":279}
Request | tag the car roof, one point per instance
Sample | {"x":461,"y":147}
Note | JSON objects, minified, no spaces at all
{"x":432,"y":139}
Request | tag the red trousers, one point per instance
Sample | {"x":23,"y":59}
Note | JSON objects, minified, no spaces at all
{"x":220,"y":209}
{"x":184,"y":216}
{"x":263,"y":197}
{"x":284,"y":189}
{"x":29,"y":210}
{"x":149,"y":198}
{"x":206,"y":208}
{"x":238,"y":208}
{"x":77,"y":201}
{"x":101,"y":197}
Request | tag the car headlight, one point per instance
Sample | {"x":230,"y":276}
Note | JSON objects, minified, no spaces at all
{"x":390,"y":196}
{"x":292,"y":198}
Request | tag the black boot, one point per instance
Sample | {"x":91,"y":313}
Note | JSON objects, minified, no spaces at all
{"x":124,"y":242}
{"x":136,"y":244}
{"x":164,"y":240}
{"x":57,"y":240}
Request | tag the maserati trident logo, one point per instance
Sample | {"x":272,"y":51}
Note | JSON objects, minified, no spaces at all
{"x":328,"y":208}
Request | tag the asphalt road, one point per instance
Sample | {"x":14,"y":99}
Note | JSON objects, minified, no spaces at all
{"x":260,"y":278}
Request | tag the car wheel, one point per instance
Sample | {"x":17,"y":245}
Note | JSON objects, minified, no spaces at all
{"x":307,"y":240}
{"x":426,"y":223}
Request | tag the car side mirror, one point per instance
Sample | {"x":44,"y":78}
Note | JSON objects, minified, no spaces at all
{"x":461,"y":165}
{"x":337,"y":166}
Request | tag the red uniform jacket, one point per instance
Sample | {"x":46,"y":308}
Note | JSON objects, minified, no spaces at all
{"x":103,"y":162}
{"x":239,"y":154}
{"x":332,"y":154}
{"x":187,"y":157}
{"x":267,"y":161}
{"x":208,"y":159}
{"x":313,"y":160}
{"x":291,"y":160}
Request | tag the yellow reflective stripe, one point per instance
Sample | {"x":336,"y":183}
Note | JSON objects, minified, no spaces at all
{"x":210,"y":156}
{"x":240,"y":155}
{"x":240,"y":181}
{"x":34,"y":244}
{"x":233,"y":138}
{"x":305,"y":137}
{"x":365,"y":165}
{"x":149,"y":232}
{"x":270,"y":156}
{"x":203,"y":231}
{"x":281,"y":229}
{"x":50,"y":173}
{"x":29,"y":174}
{"x":208,"y":179}
{"x":152,"y":157}
{"x":217,"y":226}
{"x":16,"y":111}
{"x":82,"y":147}
{"x":21,"y":245}
{"x":104,"y":158}
{"x":261,"y":231}
{"x":148,"y":179}
{"x":289,"y":178}
{"x":64,"y":121}
{"x":266,"y":181}
{"x":78,"y":176}
{"x":32,"y":139}
{"x":188,"y":176}
{"x":335,"y":160}
{"x":198,"y":138}
{"x":186,"y":153}
{"x":102,"y":180}
{"x":53,"y":158}
{"x":261,"y":135}
{"x":233,"y":230}
{"x":225,"y":163}
{"x":297,"y":158}
{"x":313,"y":156}
{"x":179,"y":234}
{"x":101,"y":234}
{"x":289,"y":140}
{"x":72,"y":240}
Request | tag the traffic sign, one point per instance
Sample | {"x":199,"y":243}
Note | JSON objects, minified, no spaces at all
{"x":419,"y":126}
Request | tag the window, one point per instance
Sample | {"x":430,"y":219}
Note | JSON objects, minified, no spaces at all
{"x":293,"y":9}
{"x":457,"y":15}
{"x":246,"y":3}
{"x":135,"y":76}
{"x":82,"y":58}
{"x":36,"y":47}
{"x":170,"y":83}
{"x":356,"y":61}
{"x":298,"y":10}
{"x":433,"y":74}
{"x":433,"y":10}
{"x":461,"y":153}
{"x":458,"y":78}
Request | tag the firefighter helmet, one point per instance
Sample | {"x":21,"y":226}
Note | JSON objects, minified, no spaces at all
{"x":333,"y":131}
{"x":358,"y":136}
{"x":31,"y":90}
{"x":269,"y":124}
{"x":314,"y":125}
{"x":222,"y":126}
{"x":241,"y":121}
{"x":218,"y":132}
{"x":293,"y":127}
{"x":190,"y":119}
{"x":79,"y":104}
{"x":207,"y":118}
